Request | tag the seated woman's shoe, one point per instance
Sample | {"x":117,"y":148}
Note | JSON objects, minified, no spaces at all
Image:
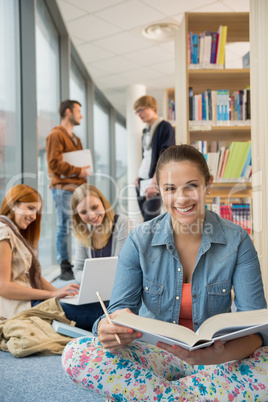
{"x":66,"y":271}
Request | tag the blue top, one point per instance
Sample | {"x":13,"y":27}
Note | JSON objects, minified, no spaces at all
{"x":149,"y":274}
{"x":107,"y":250}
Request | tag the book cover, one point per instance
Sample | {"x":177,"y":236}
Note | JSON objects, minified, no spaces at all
{"x":247,"y":163}
{"x":218,"y":45}
{"x":214,"y":42}
{"x":222,"y":45}
{"x":207,"y":49}
{"x":228,"y":173}
{"x":191,"y":103}
{"x":212,"y":162}
{"x":221,"y":158}
{"x":224,"y":163}
{"x":195,"y":49}
{"x":241,"y":154}
{"x":79,"y":158}
{"x":68,"y":330}
{"x":224,"y":327}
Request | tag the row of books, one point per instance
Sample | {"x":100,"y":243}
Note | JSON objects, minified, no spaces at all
{"x":207,"y":49}
{"x":219,"y":107}
{"x":235,"y":212}
{"x":171,"y":109}
{"x":229,"y":163}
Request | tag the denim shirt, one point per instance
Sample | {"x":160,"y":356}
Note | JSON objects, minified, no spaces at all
{"x":149,"y":275}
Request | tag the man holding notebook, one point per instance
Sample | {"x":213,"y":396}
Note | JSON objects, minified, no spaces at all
{"x":64,"y":177}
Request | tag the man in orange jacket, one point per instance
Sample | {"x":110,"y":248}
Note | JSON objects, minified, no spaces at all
{"x":64,"y":178}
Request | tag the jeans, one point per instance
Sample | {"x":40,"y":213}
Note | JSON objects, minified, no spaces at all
{"x":62,"y":199}
{"x":84,"y":315}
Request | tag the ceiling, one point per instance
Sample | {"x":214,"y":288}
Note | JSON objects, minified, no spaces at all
{"x":108,"y":36}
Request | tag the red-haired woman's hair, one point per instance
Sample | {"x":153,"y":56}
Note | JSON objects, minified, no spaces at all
{"x":16,"y":195}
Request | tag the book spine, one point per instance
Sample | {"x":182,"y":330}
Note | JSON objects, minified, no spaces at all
{"x":214,"y":40}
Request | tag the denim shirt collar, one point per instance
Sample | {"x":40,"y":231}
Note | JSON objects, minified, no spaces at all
{"x":212,"y":233}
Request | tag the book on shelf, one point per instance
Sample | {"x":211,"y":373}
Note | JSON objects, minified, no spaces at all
{"x":227,"y":163}
{"x":171,"y":109}
{"x":246,"y":60}
{"x":222,"y":44}
{"x":214,"y":47}
{"x":224,"y":327}
{"x":239,"y":153}
{"x":207,"y":49}
{"x":219,"y":107}
{"x":238,"y":213}
{"x":212,"y":159}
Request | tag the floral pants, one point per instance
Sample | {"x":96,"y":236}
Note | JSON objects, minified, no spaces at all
{"x":142,"y":372}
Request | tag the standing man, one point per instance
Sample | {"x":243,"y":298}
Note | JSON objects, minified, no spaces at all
{"x":158,"y":136}
{"x":64,"y":178}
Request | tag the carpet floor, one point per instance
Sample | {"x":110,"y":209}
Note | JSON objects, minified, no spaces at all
{"x":38,"y":379}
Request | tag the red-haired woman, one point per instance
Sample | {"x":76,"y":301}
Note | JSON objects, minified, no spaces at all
{"x":21,"y":283}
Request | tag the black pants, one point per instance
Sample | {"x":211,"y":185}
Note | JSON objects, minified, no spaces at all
{"x":84,"y":315}
{"x":149,"y":208}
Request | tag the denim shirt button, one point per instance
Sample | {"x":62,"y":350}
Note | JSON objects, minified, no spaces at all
{"x":177,"y":297}
{"x":179,"y":269}
{"x":174,"y":322}
{"x":195,"y":323}
{"x":194,"y":296}
{"x":146,"y":288}
{"x":224,"y":290}
{"x":170,"y":247}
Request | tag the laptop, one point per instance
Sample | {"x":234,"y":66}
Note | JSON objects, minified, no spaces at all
{"x":98,"y":275}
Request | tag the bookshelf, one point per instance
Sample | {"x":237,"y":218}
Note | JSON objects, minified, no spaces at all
{"x":200,"y":80}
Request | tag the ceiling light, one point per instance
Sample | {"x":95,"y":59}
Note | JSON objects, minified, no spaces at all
{"x":161,"y":31}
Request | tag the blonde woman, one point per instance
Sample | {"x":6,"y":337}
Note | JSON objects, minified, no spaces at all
{"x":99,"y":231}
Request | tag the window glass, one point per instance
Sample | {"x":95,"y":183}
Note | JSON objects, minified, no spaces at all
{"x":48,"y":99}
{"x":121,"y":167}
{"x":10,"y":118}
{"x":101,"y":159}
{"x":78,"y":93}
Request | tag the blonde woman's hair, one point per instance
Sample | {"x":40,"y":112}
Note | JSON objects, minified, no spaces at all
{"x":81,"y":230}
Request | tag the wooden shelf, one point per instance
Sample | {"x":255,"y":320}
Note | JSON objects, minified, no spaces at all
{"x":232,"y":79}
{"x":230,"y":190}
{"x":238,"y":24}
{"x":221,"y":133}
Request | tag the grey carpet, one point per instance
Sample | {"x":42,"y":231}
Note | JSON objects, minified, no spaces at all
{"x":38,"y":379}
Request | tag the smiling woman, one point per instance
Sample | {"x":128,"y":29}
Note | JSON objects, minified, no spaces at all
{"x":179,"y":267}
{"x":99,"y":231}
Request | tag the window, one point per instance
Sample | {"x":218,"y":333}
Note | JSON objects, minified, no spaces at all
{"x":101,"y":158}
{"x":10,"y":118}
{"x":48,"y":99}
{"x":121,"y":167}
{"x":78,"y":93}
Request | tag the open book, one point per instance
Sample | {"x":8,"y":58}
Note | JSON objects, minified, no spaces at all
{"x":225,"y":327}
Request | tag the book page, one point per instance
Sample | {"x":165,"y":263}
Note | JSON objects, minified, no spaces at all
{"x":233,"y":321}
{"x":79,"y":158}
{"x":149,"y":325}
{"x":239,"y":324}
